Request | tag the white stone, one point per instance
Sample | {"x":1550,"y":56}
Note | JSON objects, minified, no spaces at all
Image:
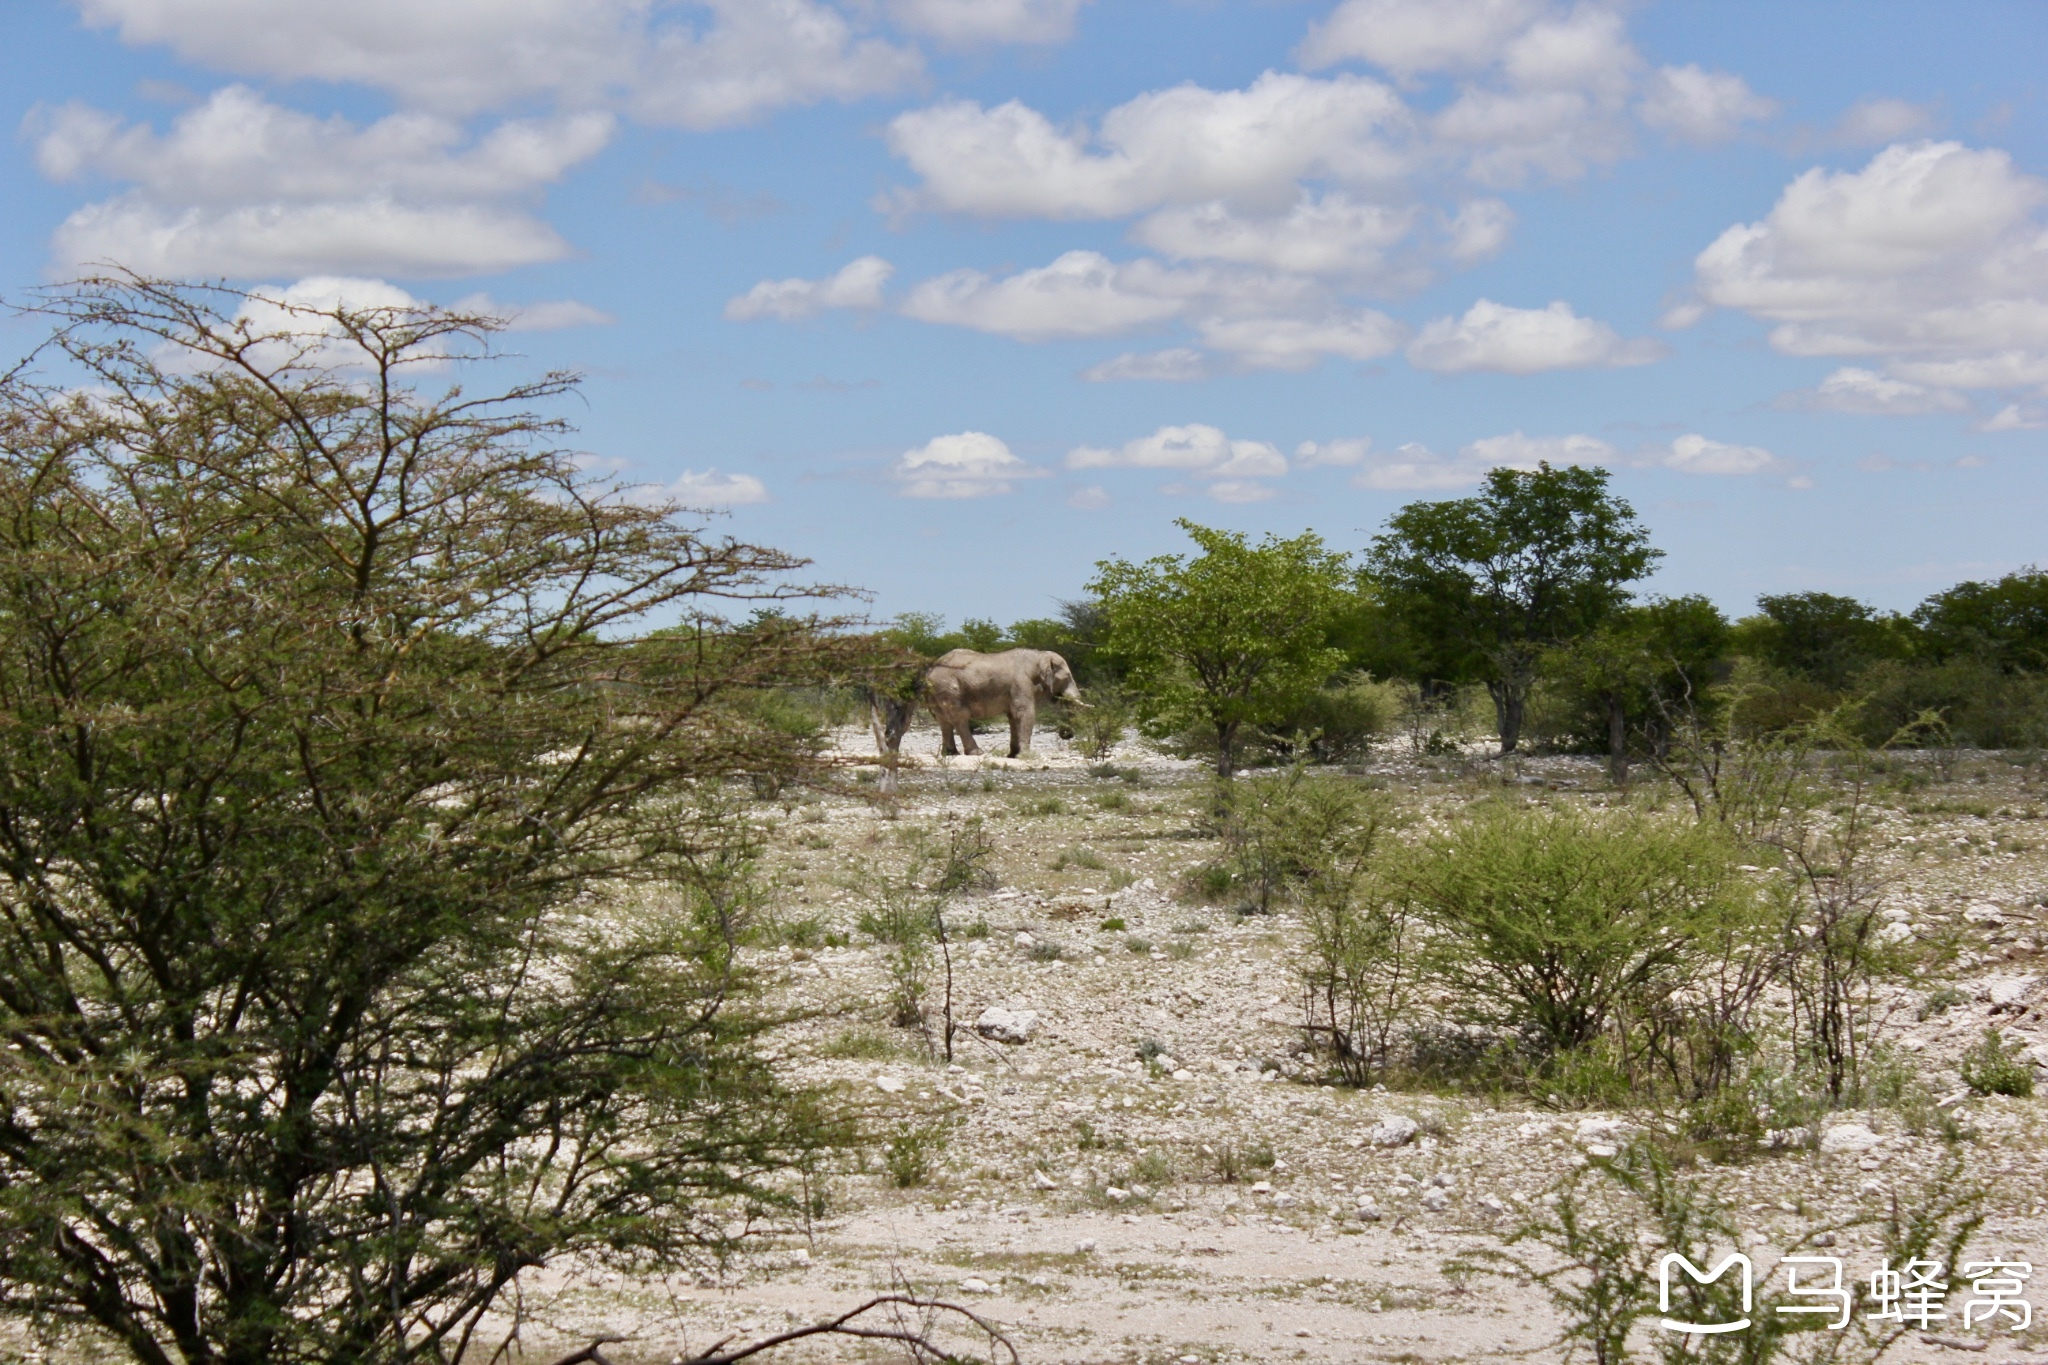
{"x":1183,"y":1074}
{"x":1848,"y":1137}
{"x":1041,"y":1181}
{"x":1436,"y":1200}
{"x":1115,"y":1195}
{"x":1393,"y":1131}
{"x":1007,"y":1026}
{"x":1602,"y":1150}
{"x":1262,"y":1187}
{"x":1084,"y":1246}
{"x":2008,"y":990}
{"x":1599,"y":1130}
{"x":974,"y":1284}
{"x":892,"y":1085}
{"x":1443,"y":1180}
{"x":1492,"y":1204}
{"x":1023,"y":939}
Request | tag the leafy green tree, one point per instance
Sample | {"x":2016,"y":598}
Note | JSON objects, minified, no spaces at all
{"x":1641,"y":666}
{"x":2003,"y":623}
{"x":1238,"y":635}
{"x":335,"y":754}
{"x":1820,"y":637}
{"x":1538,"y":559}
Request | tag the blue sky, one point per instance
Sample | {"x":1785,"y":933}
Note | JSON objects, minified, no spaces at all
{"x":960,"y":296}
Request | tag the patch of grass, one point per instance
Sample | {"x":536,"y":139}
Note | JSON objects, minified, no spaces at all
{"x":1110,"y":800}
{"x":1045,"y":805}
{"x":1138,"y":945}
{"x":976,"y":928}
{"x":912,"y":1154}
{"x":1134,"y":776}
{"x":861,"y":1045}
{"x":1996,"y":1067}
{"x":1041,"y":951}
{"x":1153,"y":1166}
{"x":1113,"y":925}
{"x":1080,"y":857}
{"x":1940,"y":1001}
{"x":1180,"y":950}
{"x":1086,"y":1139}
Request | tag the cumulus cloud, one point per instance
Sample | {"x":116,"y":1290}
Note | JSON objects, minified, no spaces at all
{"x":1326,"y":235}
{"x":1414,"y":37}
{"x":1186,"y":145}
{"x":1414,"y":467}
{"x":1179,"y":364}
{"x":1089,"y":497}
{"x":1082,"y":294}
{"x":858,"y":284}
{"x":551,"y":315}
{"x":2012,"y":417}
{"x":1516,"y":451}
{"x":1479,"y":229}
{"x":239,"y":186}
{"x":1700,"y":105}
{"x":1229,"y":470}
{"x":1340,"y":454}
{"x":968,"y":464}
{"x":709,"y":64}
{"x":966,"y":22}
{"x":1933,"y":257}
{"x":1695,"y":454}
{"x":1852,"y":389}
{"x":1493,"y":336}
{"x":1285,"y":343}
{"x":710,"y":488}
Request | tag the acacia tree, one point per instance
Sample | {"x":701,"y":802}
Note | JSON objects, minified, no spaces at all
{"x":1237,"y":635}
{"x":329,"y":719}
{"x":1536,"y":560}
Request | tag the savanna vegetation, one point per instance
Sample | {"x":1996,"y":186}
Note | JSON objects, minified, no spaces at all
{"x":409,"y":840}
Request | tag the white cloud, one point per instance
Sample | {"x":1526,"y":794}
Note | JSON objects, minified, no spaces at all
{"x":1416,"y":468}
{"x":969,"y":464}
{"x":1180,"y":146}
{"x":1493,"y":336}
{"x":967,"y":22}
{"x":1339,"y":454}
{"x":1089,"y":498}
{"x":1931,"y":253}
{"x":1874,"y":122}
{"x":468,"y":56}
{"x":1180,"y":364}
{"x":368,"y":237}
{"x":2012,"y":417}
{"x":1284,"y":343}
{"x":1516,"y":451}
{"x":1082,"y":294}
{"x":1478,"y":230}
{"x":1411,"y":37}
{"x":1700,"y":105}
{"x":758,"y":56}
{"x":858,"y":284}
{"x":548,"y":316}
{"x":1695,"y":454}
{"x":1229,"y":469}
{"x":1330,"y":235}
{"x":710,"y":488}
{"x":286,"y":325}
{"x":1851,"y":389}
{"x":241,"y":186}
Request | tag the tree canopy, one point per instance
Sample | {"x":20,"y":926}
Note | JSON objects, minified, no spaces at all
{"x":1238,"y":634}
{"x":326,"y":703}
{"x":1536,"y":559}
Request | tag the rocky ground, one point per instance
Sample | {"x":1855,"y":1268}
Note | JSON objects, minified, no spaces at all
{"x":1217,"y":1202}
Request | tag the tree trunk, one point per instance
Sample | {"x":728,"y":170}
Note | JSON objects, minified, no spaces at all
{"x":1617,"y":741}
{"x":1510,"y":701}
{"x":1226,"y":744}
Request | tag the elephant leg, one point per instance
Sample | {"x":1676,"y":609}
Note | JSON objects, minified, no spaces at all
{"x":947,"y":747}
{"x":1022,"y":720}
{"x":967,"y":744}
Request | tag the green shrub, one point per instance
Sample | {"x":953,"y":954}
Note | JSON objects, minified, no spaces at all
{"x":1045,"y":805}
{"x":911,"y":1155}
{"x":1557,"y":925}
{"x":1336,"y":724}
{"x":1110,"y":801}
{"x":1080,"y":857}
{"x":1153,"y":1166}
{"x":1279,"y":830}
{"x":1996,"y":1067}
{"x":1099,"y":726}
{"x":1113,"y":925}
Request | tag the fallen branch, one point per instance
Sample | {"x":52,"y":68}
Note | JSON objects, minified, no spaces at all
{"x":917,"y":1339}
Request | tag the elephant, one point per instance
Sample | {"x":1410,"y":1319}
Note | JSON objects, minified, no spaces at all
{"x":965,"y":686}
